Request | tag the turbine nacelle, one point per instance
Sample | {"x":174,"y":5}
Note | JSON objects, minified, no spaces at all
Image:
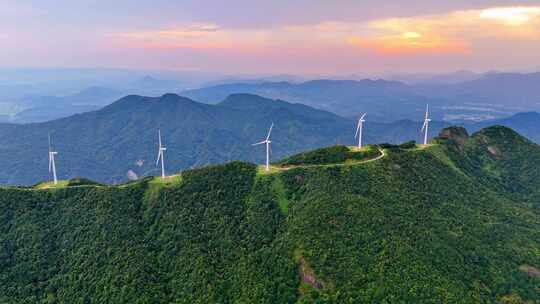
{"x":262,"y":142}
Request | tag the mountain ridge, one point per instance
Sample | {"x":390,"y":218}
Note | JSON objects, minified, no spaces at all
{"x":118,"y":141}
{"x":123,"y":134}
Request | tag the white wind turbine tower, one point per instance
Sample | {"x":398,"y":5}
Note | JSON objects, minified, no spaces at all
{"x":359,"y":128}
{"x":267,"y":141}
{"x":425,"y":126}
{"x":161,"y":155}
{"x":52,"y":165}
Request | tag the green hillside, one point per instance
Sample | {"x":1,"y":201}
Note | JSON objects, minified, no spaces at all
{"x":455,"y":222}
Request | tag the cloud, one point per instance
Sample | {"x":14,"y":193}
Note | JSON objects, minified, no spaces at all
{"x":451,"y":33}
{"x":474,"y":38}
{"x":190,"y":36}
{"x":411,"y":43}
{"x":454,"y":32}
{"x":518,"y":15}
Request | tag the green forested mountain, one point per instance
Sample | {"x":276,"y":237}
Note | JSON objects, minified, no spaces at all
{"x":120,"y":140}
{"x":455,"y":222}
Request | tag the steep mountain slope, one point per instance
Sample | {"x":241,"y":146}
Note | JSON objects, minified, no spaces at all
{"x":455,"y":222}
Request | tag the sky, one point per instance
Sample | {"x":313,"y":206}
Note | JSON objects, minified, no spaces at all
{"x":300,"y":37}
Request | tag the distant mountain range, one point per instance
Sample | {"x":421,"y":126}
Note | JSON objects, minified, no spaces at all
{"x":436,"y":79}
{"x":460,"y":97}
{"x":384,"y":100}
{"x":485,"y":97}
{"x":513,"y":91}
{"x":45,"y":108}
{"x":120,"y":140}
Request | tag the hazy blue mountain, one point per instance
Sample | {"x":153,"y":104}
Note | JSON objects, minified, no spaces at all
{"x":441,"y":78}
{"x":45,"y":108}
{"x":384,"y":100}
{"x":50,"y":112}
{"x":89,"y":96}
{"x":481,"y":97}
{"x":151,"y":86}
{"x":94,"y":96}
{"x":513,"y":90}
{"x":527,"y":124}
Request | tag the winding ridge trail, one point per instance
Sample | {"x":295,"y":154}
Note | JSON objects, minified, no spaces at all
{"x":380,"y":156}
{"x":273,"y":169}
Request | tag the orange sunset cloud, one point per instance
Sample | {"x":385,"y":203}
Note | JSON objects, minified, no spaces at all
{"x":455,"y":32}
{"x":411,"y":43}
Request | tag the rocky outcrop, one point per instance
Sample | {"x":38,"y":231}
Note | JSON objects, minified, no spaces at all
{"x":459,"y":135}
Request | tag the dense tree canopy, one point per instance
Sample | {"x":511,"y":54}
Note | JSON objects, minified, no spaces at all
{"x":455,"y":222}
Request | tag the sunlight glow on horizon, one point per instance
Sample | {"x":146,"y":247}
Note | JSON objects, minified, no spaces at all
{"x":412,"y":35}
{"x":450,"y":33}
{"x":512,"y":15}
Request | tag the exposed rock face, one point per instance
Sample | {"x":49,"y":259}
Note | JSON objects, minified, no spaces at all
{"x":493,"y":151}
{"x":530,"y":271}
{"x":308,"y":276}
{"x":456,"y":134}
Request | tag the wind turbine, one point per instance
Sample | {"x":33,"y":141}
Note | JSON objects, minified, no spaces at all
{"x":52,"y":165}
{"x":425,"y":126}
{"x":359,"y":128}
{"x":161,"y":155}
{"x":267,"y":141}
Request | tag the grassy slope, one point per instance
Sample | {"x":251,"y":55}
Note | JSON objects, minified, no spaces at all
{"x":423,"y":226}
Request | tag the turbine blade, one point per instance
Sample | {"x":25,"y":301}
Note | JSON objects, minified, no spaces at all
{"x":158,"y":157}
{"x":358,"y":128}
{"x":259,"y":143}
{"x":424,"y":125}
{"x":270,"y":131}
{"x":427,"y":111}
{"x":159,"y":135}
{"x":363,"y":116}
